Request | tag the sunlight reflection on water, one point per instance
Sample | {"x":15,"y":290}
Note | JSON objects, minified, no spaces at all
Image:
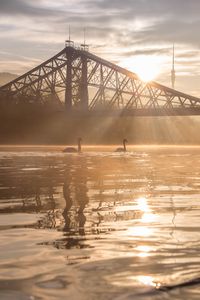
{"x":99,"y":225}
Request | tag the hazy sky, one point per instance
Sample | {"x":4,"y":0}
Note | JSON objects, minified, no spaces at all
{"x":137,"y":34}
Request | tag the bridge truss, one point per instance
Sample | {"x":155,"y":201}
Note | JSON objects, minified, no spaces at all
{"x":77,"y":80}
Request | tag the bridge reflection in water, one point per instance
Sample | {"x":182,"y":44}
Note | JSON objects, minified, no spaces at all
{"x":81,"y":195}
{"x":75,"y":194}
{"x":116,"y":220}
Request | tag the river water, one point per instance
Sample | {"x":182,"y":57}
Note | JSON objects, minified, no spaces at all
{"x":100,"y":224}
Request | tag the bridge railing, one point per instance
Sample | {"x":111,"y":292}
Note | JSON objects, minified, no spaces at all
{"x":84,"y":47}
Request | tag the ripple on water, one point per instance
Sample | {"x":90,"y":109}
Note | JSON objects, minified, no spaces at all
{"x":100,"y":225}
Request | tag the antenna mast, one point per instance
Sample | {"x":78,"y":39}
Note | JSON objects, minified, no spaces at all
{"x":173,"y":73}
{"x":84,"y":46}
{"x":69,"y":43}
{"x":69,"y":34}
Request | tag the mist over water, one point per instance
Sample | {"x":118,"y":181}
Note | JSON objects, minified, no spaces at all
{"x":99,"y":224}
{"x":36,"y":126}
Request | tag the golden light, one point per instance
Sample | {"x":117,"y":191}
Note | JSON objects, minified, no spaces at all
{"x":148,"y":218}
{"x":144,"y":248}
{"x":146,"y":67}
{"x":143,"y":251}
{"x":148,"y":280}
{"x":142,"y":204}
{"x":141,"y":231}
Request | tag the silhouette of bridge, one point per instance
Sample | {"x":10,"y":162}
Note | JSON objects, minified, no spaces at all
{"x":76,"y":80}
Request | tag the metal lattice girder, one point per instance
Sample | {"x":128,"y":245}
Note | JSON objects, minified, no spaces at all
{"x":81,"y":80}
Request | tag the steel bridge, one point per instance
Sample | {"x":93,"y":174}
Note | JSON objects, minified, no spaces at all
{"x":78,"y":81}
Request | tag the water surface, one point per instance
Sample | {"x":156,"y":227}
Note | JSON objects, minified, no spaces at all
{"x":100,"y":224}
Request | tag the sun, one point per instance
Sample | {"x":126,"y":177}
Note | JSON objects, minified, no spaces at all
{"x":146,"y":67}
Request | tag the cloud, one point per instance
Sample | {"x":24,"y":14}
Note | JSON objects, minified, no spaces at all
{"x":115,"y":29}
{"x":23,"y":8}
{"x":146,"y":8}
{"x":121,"y":22}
